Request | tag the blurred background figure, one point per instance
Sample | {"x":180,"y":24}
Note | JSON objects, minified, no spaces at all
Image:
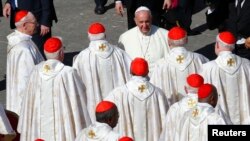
{"x":1,"y":8}
{"x":100,"y":6}
{"x":238,"y":23}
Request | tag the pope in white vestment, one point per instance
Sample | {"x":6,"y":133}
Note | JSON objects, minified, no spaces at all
{"x":193,"y":126}
{"x":5,"y":127}
{"x":54,"y":107}
{"x":22,"y":56}
{"x":102,"y":67}
{"x":176,"y":66}
{"x":142,"y":106}
{"x":145,"y":41}
{"x":231,"y":75}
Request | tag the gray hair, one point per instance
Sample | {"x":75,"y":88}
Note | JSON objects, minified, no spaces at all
{"x":27,"y":18}
{"x":54,"y":55}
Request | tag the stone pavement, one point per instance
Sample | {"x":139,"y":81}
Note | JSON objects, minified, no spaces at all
{"x":74,"y":17}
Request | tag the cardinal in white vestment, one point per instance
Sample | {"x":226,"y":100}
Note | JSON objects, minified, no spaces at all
{"x":6,"y":131}
{"x":170,"y":72}
{"x":101,"y":66}
{"x":22,"y":56}
{"x":102,"y":130}
{"x":54,"y":107}
{"x":194,"y":124}
{"x":141,"y":105}
{"x":145,"y":40}
{"x":177,"y":110}
{"x":231,"y":75}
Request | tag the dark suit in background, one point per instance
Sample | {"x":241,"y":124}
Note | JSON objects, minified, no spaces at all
{"x":154,"y":5}
{"x":185,"y":12}
{"x":1,"y":8}
{"x":239,"y":24}
{"x":100,"y":9}
{"x":44,"y":12}
{"x":219,"y":15}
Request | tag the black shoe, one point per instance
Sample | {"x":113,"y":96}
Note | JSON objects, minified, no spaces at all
{"x":100,"y":10}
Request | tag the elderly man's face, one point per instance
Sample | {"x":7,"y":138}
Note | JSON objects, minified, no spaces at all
{"x":31,"y":25}
{"x":143,"y":20}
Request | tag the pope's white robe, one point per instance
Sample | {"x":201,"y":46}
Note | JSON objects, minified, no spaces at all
{"x":54,"y":107}
{"x":194,"y":124}
{"x":98,"y":132}
{"x":176,"y":113}
{"x":102,"y":67}
{"x":170,"y":73}
{"x":5,"y":126}
{"x":22,"y":56}
{"x":151,"y":47}
{"x":142,"y":109}
{"x":231,"y":76}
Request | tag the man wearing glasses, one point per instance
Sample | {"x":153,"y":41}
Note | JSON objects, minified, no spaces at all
{"x":22,"y":56}
{"x":44,"y":12}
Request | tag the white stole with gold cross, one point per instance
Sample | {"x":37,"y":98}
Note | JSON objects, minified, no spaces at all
{"x":101,"y":48}
{"x":140,"y":87}
{"x":228,"y":61}
{"x":180,"y":58}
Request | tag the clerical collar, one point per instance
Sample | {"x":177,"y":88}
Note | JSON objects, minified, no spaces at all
{"x":177,"y":48}
{"x":192,"y":94}
{"x":98,"y":41}
{"x":204,"y":104}
{"x":222,"y":53}
{"x":139,"y":78}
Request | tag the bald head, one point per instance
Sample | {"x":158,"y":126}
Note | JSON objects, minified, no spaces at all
{"x":143,"y":20}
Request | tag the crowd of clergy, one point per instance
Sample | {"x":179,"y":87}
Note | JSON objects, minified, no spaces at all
{"x":153,"y":90}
